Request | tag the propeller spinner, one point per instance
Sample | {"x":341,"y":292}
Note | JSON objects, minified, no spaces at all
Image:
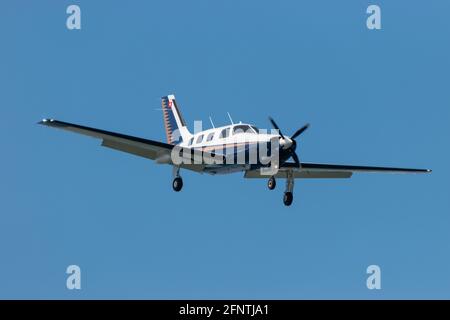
{"x":288,"y":143}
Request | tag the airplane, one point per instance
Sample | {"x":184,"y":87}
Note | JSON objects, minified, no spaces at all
{"x":222,"y":144}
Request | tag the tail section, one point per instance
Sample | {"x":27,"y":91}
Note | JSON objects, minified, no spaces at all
{"x":176,"y":129}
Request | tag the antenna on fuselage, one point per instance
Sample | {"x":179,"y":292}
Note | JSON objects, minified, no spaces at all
{"x":212,"y":123}
{"x":230,"y":118}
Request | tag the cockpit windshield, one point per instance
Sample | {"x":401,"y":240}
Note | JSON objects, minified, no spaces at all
{"x":255,"y":128}
{"x":243,"y":128}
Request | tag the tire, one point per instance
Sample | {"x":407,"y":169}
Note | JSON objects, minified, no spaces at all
{"x":272,"y":183}
{"x":288,"y":198}
{"x":177,"y":184}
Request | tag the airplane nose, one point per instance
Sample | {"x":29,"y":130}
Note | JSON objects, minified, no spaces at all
{"x":286,"y":143}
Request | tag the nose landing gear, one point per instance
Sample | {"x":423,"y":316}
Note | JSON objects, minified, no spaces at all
{"x":288,"y":195}
{"x":288,"y":198}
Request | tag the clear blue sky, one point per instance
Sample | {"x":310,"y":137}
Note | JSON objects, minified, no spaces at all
{"x":372,"y":98}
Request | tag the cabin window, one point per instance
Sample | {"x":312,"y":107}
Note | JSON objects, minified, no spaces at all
{"x":190,"y":141}
{"x":225,"y":133}
{"x":200,"y":138}
{"x":210,"y":136}
{"x":255,"y":128}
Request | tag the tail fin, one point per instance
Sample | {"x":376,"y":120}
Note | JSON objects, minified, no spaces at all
{"x":176,"y":130}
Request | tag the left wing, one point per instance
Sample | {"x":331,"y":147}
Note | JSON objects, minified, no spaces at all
{"x":319,"y":170}
{"x":319,"y":167}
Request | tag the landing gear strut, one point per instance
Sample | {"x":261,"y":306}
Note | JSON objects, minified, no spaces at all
{"x":288,"y":196}
{"x":177,"y":183}
{"x":271,"y":184}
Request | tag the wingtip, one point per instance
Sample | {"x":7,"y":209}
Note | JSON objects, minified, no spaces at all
{"x":45,"y":121}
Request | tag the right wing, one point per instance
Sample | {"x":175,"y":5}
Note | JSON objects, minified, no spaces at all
{"x":150,"y":149}
{"x":138,"y":146}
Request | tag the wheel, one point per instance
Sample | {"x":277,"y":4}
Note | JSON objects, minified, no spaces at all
{"x":177,"y":184}
{"x":287,"y":199}
{"x":271,"y":184}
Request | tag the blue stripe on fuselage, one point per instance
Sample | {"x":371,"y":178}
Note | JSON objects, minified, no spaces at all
{"x":233,"y":151}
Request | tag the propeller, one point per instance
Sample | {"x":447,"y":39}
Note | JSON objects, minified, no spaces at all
{"x":274,"y":124}
{"x":300,"y":131}
{"x":293,"y":146}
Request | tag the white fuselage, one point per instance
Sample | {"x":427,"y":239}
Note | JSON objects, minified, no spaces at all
{"x":228,"y":139}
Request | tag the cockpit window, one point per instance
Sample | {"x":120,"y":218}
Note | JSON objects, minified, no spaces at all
{"x":242,"y":129}
{"x":255,"y":128}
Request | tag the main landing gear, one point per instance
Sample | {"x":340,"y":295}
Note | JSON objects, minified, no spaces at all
{"x":288,"y":196}
{"x":272,"y":183}
{"x":177,"y":183}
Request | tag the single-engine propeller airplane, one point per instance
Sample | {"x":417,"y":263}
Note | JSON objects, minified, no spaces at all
{"x":220,"y":143}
